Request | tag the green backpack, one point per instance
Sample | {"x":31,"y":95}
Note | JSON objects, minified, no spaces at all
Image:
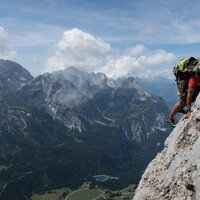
{"x":185,"y":67}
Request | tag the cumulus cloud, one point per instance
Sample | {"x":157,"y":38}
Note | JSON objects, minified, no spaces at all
{"x":6,"y":48}
{"x":136,"y":50}
{"x":79,"y":49}
{"x":141,"y":62}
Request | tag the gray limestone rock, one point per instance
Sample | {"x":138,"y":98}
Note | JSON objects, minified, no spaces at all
{"x":175,"y":172}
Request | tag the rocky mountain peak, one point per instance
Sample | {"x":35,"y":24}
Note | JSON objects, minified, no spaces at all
{"x":175,"y":172}
{"x":12,"y":76}
{"x":82,"y":78}
{"x":70,"y":93}
{"x":12,"y":69}
{"x":129,"y":82}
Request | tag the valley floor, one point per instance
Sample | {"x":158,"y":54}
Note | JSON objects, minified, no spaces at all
{"x":86,"y":193}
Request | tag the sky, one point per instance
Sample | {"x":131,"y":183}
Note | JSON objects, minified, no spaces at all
{"x":143,"y":38}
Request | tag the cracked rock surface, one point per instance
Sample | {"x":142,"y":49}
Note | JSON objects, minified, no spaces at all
{"x":175,"y":172}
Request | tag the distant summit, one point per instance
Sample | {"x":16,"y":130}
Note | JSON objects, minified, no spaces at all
{"x":12,"y":76}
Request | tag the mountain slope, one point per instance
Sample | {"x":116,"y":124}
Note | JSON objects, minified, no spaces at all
{"x":12,"y":77}
{"x":163,"y":87}
{"x":62,"y":128}
{"x":175,"y":174}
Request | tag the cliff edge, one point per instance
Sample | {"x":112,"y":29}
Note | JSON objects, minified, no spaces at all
{"x":175,"y":172}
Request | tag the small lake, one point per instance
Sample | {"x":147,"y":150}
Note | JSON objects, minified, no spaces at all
{"x":101,"y":178}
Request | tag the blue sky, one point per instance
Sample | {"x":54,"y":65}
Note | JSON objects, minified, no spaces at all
{"x":117,"y":37}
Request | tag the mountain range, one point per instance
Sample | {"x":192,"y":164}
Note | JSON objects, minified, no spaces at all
{"x":62,"y":128}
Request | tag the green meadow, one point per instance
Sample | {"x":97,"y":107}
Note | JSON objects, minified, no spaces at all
{"x":86,"y":194}
{"x":83,"y":193}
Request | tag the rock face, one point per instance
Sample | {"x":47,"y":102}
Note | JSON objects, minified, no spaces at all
{"x":175,"y":172}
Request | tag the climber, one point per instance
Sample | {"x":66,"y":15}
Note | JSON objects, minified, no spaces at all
{"x":187,"y":73}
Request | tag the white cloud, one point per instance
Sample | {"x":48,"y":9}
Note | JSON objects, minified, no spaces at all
{"x":159,"y":57}
{"x":143,"y":64}
{"x":136,"y":50}
{"x":6,"y":48}
{"x":79,"y":49}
